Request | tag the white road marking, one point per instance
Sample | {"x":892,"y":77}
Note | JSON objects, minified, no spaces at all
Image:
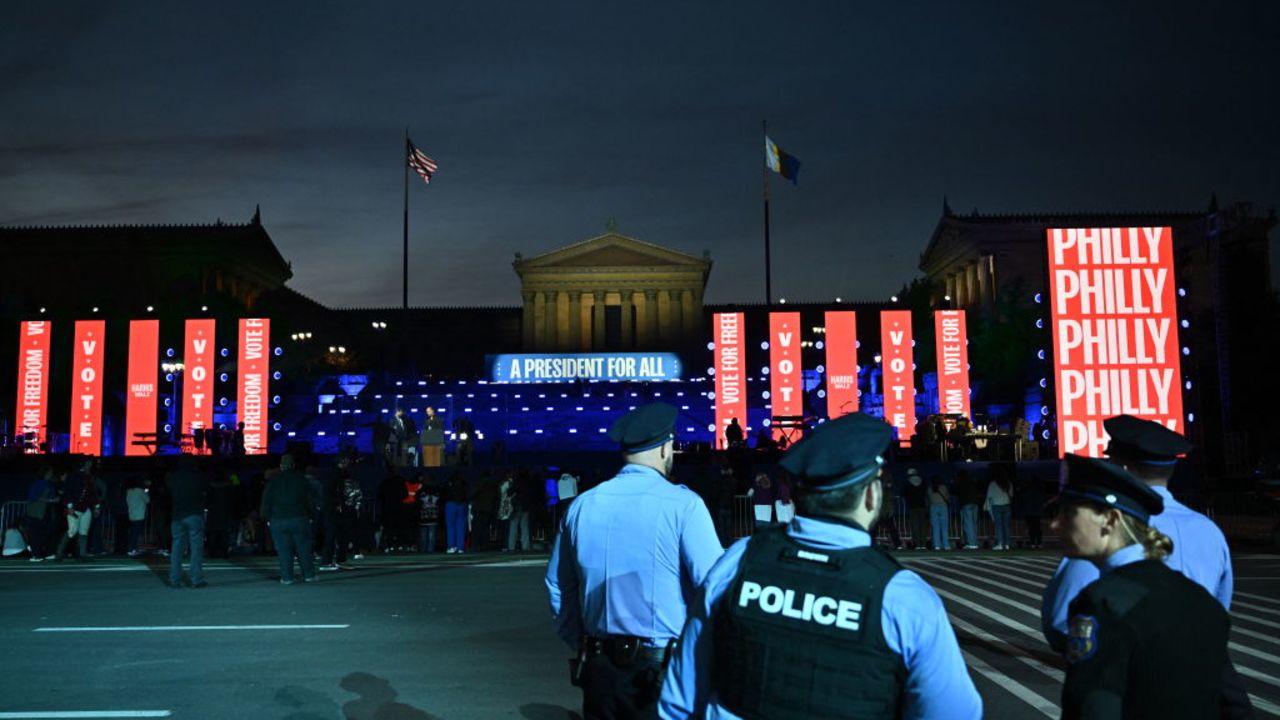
{"x":978,"y":578}
{"x":1018,"y":653}
{"x":1020,"y":691}
{"x":53,"y":714}
{"x":187,"y":628}
{"x":1263,"y":598}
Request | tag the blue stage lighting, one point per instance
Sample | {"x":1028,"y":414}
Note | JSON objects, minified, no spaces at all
{"x":1039,"y":298}
{"x":821,"y":369}
{"x":819,"y":344}
{"x":226,"y":352}
{"x":168,"y":427}
{"x":222,"y":401}
{"x":169,"y":352}
{"x":764,"y":344}
{"x":276,"y":375}
{"x":168,"y":377}
{"x":765,"y":394}
{"x":279,"y":351}
{"x":222,"y":377}
{"x":1040,"y":323}
{"x":275,"y":399}
{"x":275,"y":426}
{"x":822,"y":393}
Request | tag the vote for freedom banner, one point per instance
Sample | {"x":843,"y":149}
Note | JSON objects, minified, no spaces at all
{"x":1115,"y":337}
{"x":730,"y":371}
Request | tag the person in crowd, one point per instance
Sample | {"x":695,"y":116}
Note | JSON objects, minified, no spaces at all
{"x":866,"y":638}
{"x":391,"y":499}
{"x":42,"y":502}
{"x":1000,"y":504}
{"x":522,"y":501}
{"x":189,"y":488}
{"x":219,"y":518}
{"x":428,"y":500}
{"x":1125,"y":657}
{"x":761,"y":495}
{"x":98,"y":518}
{"x":506,"y":505}
{"x":916,"y":494}
{"x":567,"y":489}
{"x":725,"y":485}
{"x":16,"y":542}
{"x":346,"y":513}
{"x":889,"y":513}
{"x":733,"y":434}
{"x":410,"y":530}
{"x":286,"y":505}
{"x":465,"y":434}
{"x":969,"y":494}
{"x":161,"y":508}
{"x":939,"y":514}
{"x":484,"y":510}
{"x":370,"y":471}
{"x":1030,"y":495}
{"x":119,"y":508}
{"x":1149,"y":451}
{"x":784,"y":508}
{"x":455,"y":513}
{"x":136,"y":497}
{"x":630,"y":555}
{"x":237,"y":440}
{"x":80,"y":499}
{"x":431,"y":441}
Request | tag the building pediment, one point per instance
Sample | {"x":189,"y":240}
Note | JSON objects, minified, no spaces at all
{"x":611,"y":250}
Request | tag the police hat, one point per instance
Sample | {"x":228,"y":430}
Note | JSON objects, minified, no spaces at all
{"x":1108,"y":484}
{"x":1143,"y":440}
{"x":648,"y":426}
{"x":839,"y":453}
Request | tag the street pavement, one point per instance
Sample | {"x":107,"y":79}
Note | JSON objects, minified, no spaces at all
{"x":416,"y":637}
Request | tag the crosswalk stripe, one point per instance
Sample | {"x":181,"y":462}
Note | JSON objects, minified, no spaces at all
{"x":1260,"y":655}
{"x":1007,"y":622}
{"x":1263,"y":598}
{"x":978,"y":578}
{"x":1014,"y":651}
{"x":1264,"y":706}
{"x":1030,"y":577}
{"x":1034,"y":612}
{"x":1256,"y":608}
{"x":1250,"y":672}
{"x":1020,"y":691}
{"x":1259,"y":621}
{"x":1256,"y":635}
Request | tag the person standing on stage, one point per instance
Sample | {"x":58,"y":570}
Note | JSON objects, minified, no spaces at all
{"x":1148,"y":451}
{"x":630,"y":553}
{"x":432,"y":439}
{"x":811,"y":619}
{"x":1143,"y":641}
{"x":400,"y":437}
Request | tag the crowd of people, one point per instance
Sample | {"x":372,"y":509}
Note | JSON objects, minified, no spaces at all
{"x":348,"y":507}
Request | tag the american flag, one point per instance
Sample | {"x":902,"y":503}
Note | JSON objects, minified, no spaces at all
{"x":421,"y":164}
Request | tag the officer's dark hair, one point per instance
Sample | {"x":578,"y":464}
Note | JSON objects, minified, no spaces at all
{"x":840,"y":501}
{"x":1146,"y":472}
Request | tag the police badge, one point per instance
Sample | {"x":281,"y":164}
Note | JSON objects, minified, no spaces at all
{"x":1082,"y":638}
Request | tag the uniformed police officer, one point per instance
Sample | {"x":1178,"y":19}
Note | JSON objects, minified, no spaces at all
{"x":1148,"y":450}
{"x":810,"y":620}
{"x":631,"y":550}
{"x":1143,"y":640}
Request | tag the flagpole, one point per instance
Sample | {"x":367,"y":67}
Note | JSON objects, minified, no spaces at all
{"x":404,"y":159}
{"x":768,"y":290}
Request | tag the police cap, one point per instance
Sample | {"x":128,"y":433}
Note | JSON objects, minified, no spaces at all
{"x":1144,"y":441}
{"x":839,"y":453}
{"x":1108,"y":484}
{"x":648,"y":426}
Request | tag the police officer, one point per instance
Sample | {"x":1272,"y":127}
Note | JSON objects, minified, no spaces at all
{"x":630,"y":552}
{"x":810,"y":620}
{"x":1143,"y":640}
{"x":1148,"y":450}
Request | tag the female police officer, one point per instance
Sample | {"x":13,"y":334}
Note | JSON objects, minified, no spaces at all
{"x":1143,"y":640}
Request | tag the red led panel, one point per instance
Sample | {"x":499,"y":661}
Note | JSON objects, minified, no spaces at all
{"x":141,"y":392}
{"x":33,"y":382}
{"x":842,"y":362}
{"x":731,"y":378}
{"x":87,"y":368}
{"x":952,"y":335}
{"x":1115,"y":331}
{"x":786,"y":387}
{"x":197,"y":394}
{"x":254,"y":365}
{"x":898,"y":374}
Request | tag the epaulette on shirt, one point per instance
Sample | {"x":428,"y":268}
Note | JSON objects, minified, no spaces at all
{"x":1114,"y":595}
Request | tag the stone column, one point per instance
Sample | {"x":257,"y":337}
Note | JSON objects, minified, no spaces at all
{"x":575,"y":322}
{"x":984,"y":287}
{"x":526,"y":322}
{"x":650,"y":317}
{"x":597,"y":320}
{"x":688,"y":323}
{"x":628,"y":338}
{"x":971,"y":284}
{"x":951,"y":289}
{"x":539,"y":321}
{"x":666,"y":331}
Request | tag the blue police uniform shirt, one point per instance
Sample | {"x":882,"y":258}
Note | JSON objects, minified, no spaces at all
{"x":629,"y":558}
{"x":1199,"y":552}
{"x":915,"y":627}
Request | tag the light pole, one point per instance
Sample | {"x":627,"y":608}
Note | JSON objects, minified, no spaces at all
{"x":174,"y":372}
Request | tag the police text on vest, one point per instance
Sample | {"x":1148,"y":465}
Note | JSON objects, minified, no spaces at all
{"x":820,"y":609}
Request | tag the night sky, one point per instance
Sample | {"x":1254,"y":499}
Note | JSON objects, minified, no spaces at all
{"x":550,"y":119}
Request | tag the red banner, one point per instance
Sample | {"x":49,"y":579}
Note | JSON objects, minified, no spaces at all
{"x":842,"y":362}
{"x":952,"y":334}
{"x":33,"y":383}
{"x":1115,"y":331}
{"x":786,"y":387}
{"x":898,"y":373}
{"x":141,"y":393}
{"x":254,"y":366}
{"x":197,"y":396}
{"x":87,"y":368}
{"x":731,"y":377}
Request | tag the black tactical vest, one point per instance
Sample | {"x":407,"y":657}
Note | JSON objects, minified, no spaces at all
{"x":798,"y":634}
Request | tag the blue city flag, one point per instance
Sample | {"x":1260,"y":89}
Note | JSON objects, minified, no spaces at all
{"x":785,"y":165}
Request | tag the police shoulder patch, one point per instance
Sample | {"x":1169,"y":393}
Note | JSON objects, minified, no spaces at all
{"x":1082,"y":638}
